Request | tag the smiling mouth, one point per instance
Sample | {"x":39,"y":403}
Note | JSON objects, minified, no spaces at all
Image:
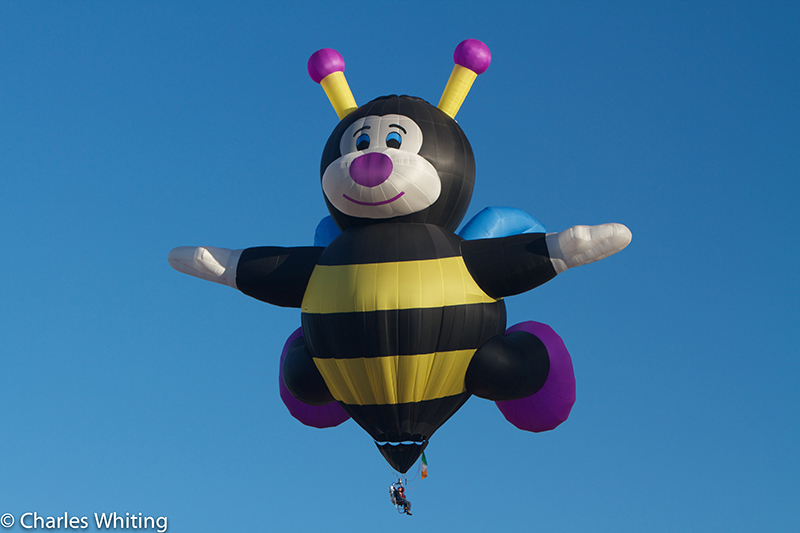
{"x":390,"y":200}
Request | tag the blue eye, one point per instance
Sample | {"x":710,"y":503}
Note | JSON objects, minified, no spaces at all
{"x":393,"y":140}
{"x":362,"y":143}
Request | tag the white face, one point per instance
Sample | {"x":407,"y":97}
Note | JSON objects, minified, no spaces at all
{"x":381,"y":174}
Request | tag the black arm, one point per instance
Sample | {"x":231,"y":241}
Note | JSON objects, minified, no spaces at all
{"x":277,"y":275}
{"x":508,"y":265}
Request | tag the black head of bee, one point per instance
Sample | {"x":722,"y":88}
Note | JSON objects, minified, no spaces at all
{"x":397,"y":158}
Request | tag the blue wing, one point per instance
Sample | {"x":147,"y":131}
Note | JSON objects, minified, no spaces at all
{"x":495,"y":222}
{"x":327,"y":230}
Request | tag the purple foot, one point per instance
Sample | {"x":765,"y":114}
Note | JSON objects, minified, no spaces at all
{"x":318,"y":416}
{"x":551,"y":405}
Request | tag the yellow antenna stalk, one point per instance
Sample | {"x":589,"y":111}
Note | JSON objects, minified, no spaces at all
{"x":471,"y":57}
{"x":326,"y":67}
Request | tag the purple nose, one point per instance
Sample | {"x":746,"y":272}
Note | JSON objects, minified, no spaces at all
{"x":370,"y":170}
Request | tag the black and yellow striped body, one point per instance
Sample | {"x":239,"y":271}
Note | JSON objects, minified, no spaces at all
{"x":392,"y":318}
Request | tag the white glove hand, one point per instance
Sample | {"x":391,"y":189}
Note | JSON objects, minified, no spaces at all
{"x":205,"y":262}
{"x":580,"y":245}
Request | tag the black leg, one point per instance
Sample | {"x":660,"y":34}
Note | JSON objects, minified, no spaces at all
{"x":508,"y":367}
{"x":302,"y":377}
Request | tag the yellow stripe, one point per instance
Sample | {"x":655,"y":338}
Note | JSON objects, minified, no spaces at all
{"x":388,"y":286}
{"x":397,"y":378}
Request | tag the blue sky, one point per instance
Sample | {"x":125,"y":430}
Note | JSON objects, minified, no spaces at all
{"x":129,"y":128}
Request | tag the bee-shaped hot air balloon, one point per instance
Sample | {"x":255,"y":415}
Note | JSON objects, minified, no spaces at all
{"x":402,"y":319}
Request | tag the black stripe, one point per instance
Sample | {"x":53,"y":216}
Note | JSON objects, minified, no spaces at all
{"x":404,"y":422}
{"x":403,"y":331}
{"x":390,"y":242}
